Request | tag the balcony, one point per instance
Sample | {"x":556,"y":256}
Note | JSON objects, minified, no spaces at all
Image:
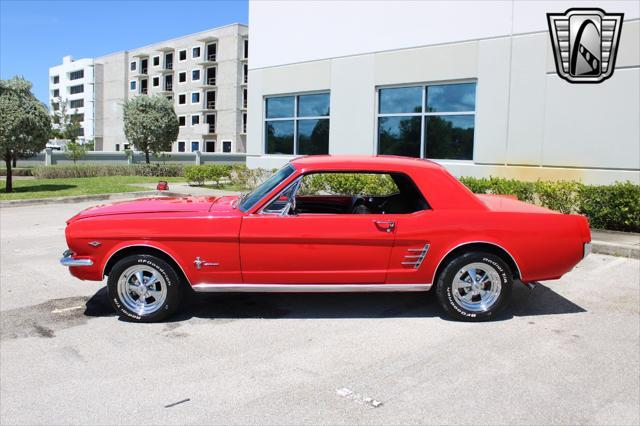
{"x":209,"y":82}
{"x":209,"y":106}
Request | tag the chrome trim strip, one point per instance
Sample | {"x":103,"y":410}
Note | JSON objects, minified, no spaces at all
{"x":475,"y":242}
{"x":308,"y":288}
{"x":419,"y":258}
{"x":68,"y":260}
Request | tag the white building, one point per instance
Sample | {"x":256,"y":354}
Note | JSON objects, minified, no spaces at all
{"x":204,"y":74}
{"x":72,"y":82}
{"x":471,"y":84}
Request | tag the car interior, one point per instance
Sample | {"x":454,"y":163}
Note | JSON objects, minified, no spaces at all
{"x":404,"y":198}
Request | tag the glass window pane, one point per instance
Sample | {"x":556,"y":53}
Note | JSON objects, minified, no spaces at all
{"x":313,"y":105}
{"x":401,"y":99}
{"x":451,"y":97}
{"x":280,"y":107}
{"x":399,"y":136}
{"x":450,"y":137}
{"x":279,"y":137}
{"x":313,"y":137}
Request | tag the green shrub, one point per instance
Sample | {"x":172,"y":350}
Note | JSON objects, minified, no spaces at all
{"x":559,"y":196}
{"x":524,"y":191}
{"x":615,"y":207}
{"x":215,"y":173}
{"x":249,"y":178}
{"x":95,"y":170}
{"x":19,"y":171}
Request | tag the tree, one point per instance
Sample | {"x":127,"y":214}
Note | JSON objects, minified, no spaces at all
{"x":150,"y":124}
{"x":75,"y":151}
{"x":25,"y":125}
{"x":66,"y":125}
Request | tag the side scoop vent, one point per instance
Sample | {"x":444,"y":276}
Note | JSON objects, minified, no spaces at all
{"x":415,"y":256}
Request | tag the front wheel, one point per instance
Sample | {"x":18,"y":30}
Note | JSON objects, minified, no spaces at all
{"x":144,"y":288}
{"x":474,"y":286}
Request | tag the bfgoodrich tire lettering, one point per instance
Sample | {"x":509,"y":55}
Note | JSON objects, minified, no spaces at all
{"x":144,"y":288}
{"x":474,"y":286}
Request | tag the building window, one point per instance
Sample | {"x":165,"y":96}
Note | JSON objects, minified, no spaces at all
{"x":132,"y":85}
{"x":168,"y":61}
{"x":181,"y":146}
{"x":182,"y":77}
{"x":77,"y":117}
{"x":56,"y":79}
{"x":195,"y":146}
{"x":55,"y":106}
{"x":56,"y":93}
{"x":76,"y":89}
{"x":76,"y":75}
{"x":170,"y":98}
{"x":195,"y":97}
{"x":244,"y":122}
{"x":182,"y":55}
{"x":212,"y":50}
{"x":182,"y":120}
{"x":210,"y":146}
{"x":156,"y":61}
{"x":195,"y":52}
{"x":211,"y":76}
{"x":182,"y":99}
{"x":76,"y":103}
{"x":195,"y":75}
{"x":297,"y":125}
{"x":226,"y":146}
{"x":155,"y":81}
{"x":245,"y":73}
{"x":430,"y":121}
{"x":246,"y":48}
{"x":210,"y":119}
{"x":117,"y":147}
{"x":244,"y":98}
{"x":195,"y":120}
{"x":134,"y":64}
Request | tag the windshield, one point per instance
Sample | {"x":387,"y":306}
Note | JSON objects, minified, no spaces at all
{"x":250,"y":199}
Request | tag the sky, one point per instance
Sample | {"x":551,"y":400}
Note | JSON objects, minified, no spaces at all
{"x":35,"y":35}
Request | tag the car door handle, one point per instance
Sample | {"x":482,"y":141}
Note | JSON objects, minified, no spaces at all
{"x":385,"y":225}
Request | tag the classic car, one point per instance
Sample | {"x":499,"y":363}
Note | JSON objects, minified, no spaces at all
{"x":291,"y":235}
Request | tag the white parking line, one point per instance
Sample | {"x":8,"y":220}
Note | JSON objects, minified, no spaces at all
{"x":73,"y":308}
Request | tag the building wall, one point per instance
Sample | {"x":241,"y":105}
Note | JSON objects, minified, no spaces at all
{"x":115,"y":76}
{"x":63,"y":72}
{"x":529,"y":123}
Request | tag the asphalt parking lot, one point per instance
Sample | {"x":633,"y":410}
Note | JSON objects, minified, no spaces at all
{"x":565,"y":353}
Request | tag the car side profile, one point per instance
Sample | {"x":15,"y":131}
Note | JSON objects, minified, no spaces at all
{"x":419,"y":228}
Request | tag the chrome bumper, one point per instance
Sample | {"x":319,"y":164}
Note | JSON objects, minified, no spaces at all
{"x":586,"y":250}
{"x":68,"y":260}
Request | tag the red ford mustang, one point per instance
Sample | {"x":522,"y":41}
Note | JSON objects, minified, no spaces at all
{"x":422,"y":229}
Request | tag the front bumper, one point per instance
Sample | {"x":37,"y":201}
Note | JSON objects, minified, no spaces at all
{"x":68,"y":260}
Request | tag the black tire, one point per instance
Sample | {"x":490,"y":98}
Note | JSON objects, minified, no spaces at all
{"x":169,"y":278}
{"x":453,"y":305}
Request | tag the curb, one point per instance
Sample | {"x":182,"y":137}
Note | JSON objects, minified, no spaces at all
{"x":81,"y":198}
{"x":612,"y":249}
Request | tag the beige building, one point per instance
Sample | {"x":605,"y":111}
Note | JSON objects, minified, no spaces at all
{"x":471,"y":85}
{"x":204,"y":74}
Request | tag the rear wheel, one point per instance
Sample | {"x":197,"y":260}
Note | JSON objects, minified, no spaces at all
{"x":475,"y":286}
{"x":144,"y":288}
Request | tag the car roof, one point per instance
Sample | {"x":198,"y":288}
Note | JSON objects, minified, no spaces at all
{"x":362,"y":162}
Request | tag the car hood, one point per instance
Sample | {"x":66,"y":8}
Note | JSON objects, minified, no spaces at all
{"x":160,"y":205}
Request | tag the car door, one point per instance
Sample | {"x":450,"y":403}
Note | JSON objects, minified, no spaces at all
{"x":315,"y":248}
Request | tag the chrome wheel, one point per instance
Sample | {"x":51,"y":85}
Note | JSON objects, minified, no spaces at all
{"x":142,"y":289}
{"x":476,"y":287}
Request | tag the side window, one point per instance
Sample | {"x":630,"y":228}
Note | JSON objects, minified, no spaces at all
{"x":284,"y":203}
{"x":348,"y":184}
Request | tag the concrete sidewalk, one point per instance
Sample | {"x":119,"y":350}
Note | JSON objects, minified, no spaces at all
{"x":623,"y":244}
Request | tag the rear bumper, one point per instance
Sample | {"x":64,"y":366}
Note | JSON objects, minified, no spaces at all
{"x":69,"y":261}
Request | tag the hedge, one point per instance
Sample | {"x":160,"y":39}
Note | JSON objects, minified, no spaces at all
{"x":93,"y":170}
{"x":18,"y":171}
{"x":215,"y":173}
{"x":349,"y":183}
{"x":615,"y":207}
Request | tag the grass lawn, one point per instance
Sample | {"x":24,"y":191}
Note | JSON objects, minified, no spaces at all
{"x":46,"y":188}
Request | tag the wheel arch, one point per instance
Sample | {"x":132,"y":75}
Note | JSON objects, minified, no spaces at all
{"x":134,"y":249}
{"x":485,"y":246}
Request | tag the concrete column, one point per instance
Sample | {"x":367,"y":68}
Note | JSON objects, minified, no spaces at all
{"x":129,"y":157}
{"x":48,"y":160}
{"x":198,"y":158}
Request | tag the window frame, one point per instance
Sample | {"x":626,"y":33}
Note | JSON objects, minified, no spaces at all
{"x":199,"y":74}
{"x":185,"y":77}
{"x":295,"y":118}
{"x":184,"y":119}
{"x":199,"y":97}
{"x":184,"y":145}
{"x":191,"y":117}
{"x":424,"y":114}
{"x":180,"y":54}
{"x":185,"y":98}
{"x":199,"y":51}
{"x":154,"y":79}
{"x":191,"y":146}
{"x":153,"y":61}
